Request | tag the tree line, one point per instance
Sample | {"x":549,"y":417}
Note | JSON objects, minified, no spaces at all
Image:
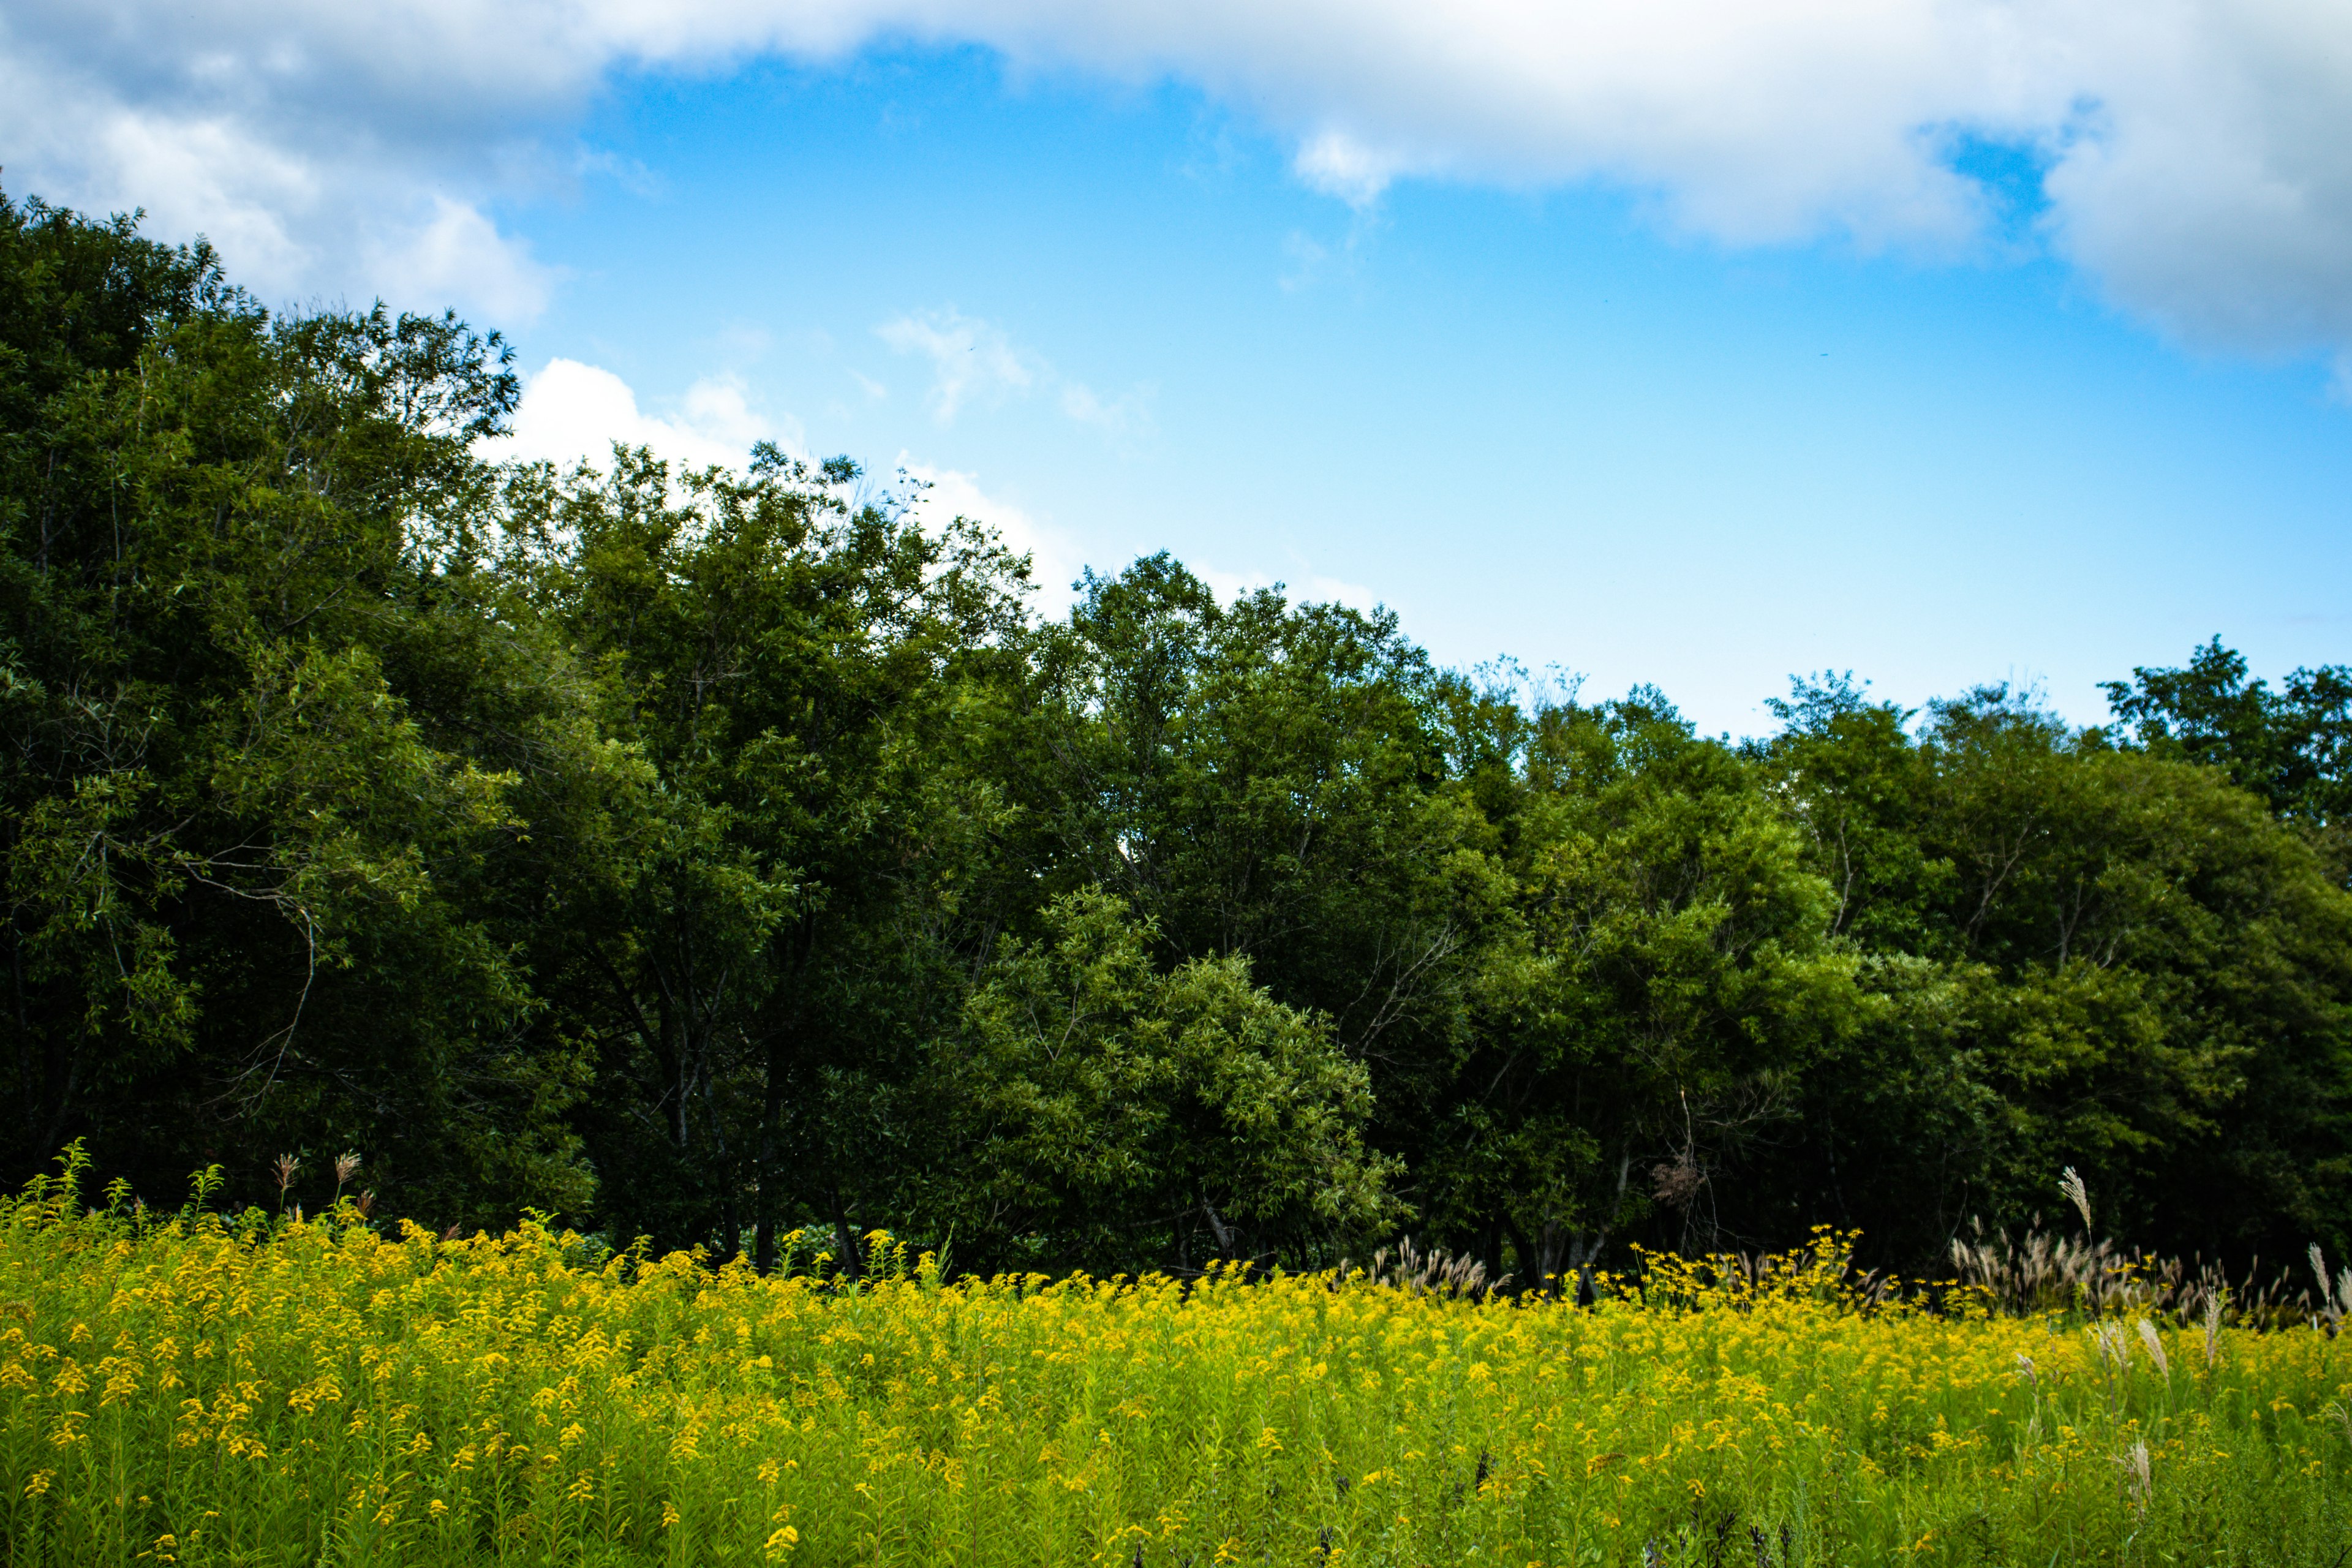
{"x":710,"y":855}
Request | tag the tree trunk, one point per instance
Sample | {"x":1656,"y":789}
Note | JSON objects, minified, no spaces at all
{"x":730,"y":1228}
{"x":770,"y":1173}
{"x":845,"y":1242}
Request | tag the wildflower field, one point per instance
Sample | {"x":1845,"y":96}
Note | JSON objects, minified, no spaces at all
{"x":209,"y":1390}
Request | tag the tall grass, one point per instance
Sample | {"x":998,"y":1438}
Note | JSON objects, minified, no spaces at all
{"x":2041,"y":1271}
{"x":202,"y":1390}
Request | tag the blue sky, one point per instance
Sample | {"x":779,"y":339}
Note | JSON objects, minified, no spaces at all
{"x":1631,"y":419}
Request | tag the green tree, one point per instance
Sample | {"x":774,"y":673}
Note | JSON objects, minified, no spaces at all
{"x":764,"y":965}
{"x":2078,"y":956}
{"x":1680,"y":980}
{"x":1272,"y":781}
{"x":1114,"y":1114}
{"x":251,"y":879}
{"x":2292,"y":747}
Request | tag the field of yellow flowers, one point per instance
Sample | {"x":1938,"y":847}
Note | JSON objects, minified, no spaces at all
{"x":206,"y":1390}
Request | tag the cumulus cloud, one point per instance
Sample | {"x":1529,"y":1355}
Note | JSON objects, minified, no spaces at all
{"x":457,"y":253}
{"x":570,"y":411}
{"x":2197,"y":154}
{"x":941,"y":495}
{"x":329,"y":152}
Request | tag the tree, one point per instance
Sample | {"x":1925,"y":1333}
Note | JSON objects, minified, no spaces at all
{"x":763,"y":966}
{"x":1112,"y":1114}
{"x":2292,"y":747}
{"x":706,"y":854}
{"x":1680,"y":982}
{"x":2075,"y":955}
{"x":248,"y":877}
{"x":1271,"y":782}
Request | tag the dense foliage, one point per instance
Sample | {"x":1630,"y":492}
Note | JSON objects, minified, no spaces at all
{"x":213,"y":1390}
{"x":710,"y":855}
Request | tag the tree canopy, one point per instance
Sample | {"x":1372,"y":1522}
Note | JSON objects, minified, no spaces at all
{"x":705,"y":855}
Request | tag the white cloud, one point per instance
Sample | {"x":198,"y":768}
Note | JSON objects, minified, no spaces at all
{"x":974,"y":361}
{"x":323,"y":159}
{"x":1303,"y":587}
{"x":2218,"y":195}
{"x":951,"y":493}
{"x":571,"y":411}
{"x":1124,"y":419}
{"x":2199,"y":152}
{"x":461,"y":254}
{"x":1339,"y":165}
{"x":970,"y":359}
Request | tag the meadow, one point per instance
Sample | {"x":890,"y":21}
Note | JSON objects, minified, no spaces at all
{"x":199,"y":1388}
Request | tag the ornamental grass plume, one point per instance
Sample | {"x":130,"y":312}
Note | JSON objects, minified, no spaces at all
{"x":2071,"y":1187}
{"x":1436,"y":1273}
{"x":2335,"y":1300}
{"x":2154,"y":1343}
{"x":2038,"y":1271}
{"x":2139,"y":1482}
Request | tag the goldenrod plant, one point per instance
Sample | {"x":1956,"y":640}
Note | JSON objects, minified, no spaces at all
{"x":204,"y":1389}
